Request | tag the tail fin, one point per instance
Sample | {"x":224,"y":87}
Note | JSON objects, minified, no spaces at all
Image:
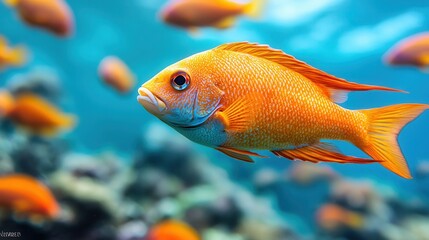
{"x":67,"y":121}
{"x":254,"y":8}
{"x":384,"y":126}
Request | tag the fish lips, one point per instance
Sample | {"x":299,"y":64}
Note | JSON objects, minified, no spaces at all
{"x":150,"y":102}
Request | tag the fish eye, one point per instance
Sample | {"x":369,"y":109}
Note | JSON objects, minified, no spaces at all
{"x":180,"y":81}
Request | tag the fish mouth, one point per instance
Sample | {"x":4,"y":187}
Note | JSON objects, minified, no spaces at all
{"x":150,"y":102}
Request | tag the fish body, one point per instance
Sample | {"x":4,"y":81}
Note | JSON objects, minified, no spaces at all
{"x":172,"y":230}
{"x":52,"y":15}
{"x":221,"y":14}
{"x":331,"y":217}
{"x":241,"y":97}
{"x":26,"y":196}
{"x":412,"y":51}
{"x":38,"y":116}
{"x":116,"y":73}
{"x":11,"y":56}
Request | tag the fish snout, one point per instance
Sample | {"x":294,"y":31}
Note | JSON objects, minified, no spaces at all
{"x":150,"y":102}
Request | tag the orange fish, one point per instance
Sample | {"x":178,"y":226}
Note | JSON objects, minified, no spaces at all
{"x":240,"y":97}
{"x":172,"y":230}
{"x":192,"y":14}
{"x":11,"y":56}
{"x":413,"y":51}
{"x":27,"y":196}
{"x":115,"y":73}
{"x":52,"y":15}
{"x":331,"y":216}
{"x":38,"y":116}
{"x":7,"y":103}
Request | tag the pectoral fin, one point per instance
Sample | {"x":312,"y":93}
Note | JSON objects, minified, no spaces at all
{"x":225,"y":23}
{"x":321,"y":152}
{"x":241,"y":155}
{"x":238,"y":116}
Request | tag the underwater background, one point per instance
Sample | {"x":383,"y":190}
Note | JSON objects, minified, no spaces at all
{"x":120,"y":170}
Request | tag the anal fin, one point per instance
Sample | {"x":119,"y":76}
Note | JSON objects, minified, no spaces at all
{"x":320,"y":152}
{"x":241,"y":155}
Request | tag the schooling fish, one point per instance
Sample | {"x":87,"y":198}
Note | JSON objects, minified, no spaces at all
{"x":412,"y":51}
{"x":38,"y":116}
{"x":172,"y":230}
{"x":240,"y":97}
{"x":11,"y":56}
{"x":26,"y":196}
{"x":52,"y":15}
{"x":115,"y":73}
{"x":192,"y":14}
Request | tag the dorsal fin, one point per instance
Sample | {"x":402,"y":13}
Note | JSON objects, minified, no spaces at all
{"x":331,"y":85}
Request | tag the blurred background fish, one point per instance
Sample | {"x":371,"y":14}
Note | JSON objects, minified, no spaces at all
{"x":37,"y":115}
{"x":194,"y":14}
{"x":412,"y":51}
{"x":81,"y":159}
{"x":172,"y":230}
{"x":11,"y":56}
{"x":115,"y":73}
{"x":28,"y":197}
{"x":52,"y":15}
{"x":332,"y":217}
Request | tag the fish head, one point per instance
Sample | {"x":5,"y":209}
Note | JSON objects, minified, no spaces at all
{"x":396,"y":57}
{"x":403,"y":59}
{"x":182,"y":95}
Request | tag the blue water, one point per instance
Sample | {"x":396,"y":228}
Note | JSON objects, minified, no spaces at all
{"x":343,"y":37}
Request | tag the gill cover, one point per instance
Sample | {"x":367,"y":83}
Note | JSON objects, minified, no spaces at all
{"x":196,"y":106}
{"x":207,"y":101}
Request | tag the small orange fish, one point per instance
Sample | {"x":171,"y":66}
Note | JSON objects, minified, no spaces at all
{"x":331,"y":216}
{"x":38,"y":116}
{"x":11,"y":56}
{"x":115,"y":73}
{"x":52,"y":15}
{"x":192,"y":14}
{"x":412,"y":51}
{"x":7,"y":103}
{"x":172,"y":230}
{"x":240,"y":97}
{"x":27,"y":196}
